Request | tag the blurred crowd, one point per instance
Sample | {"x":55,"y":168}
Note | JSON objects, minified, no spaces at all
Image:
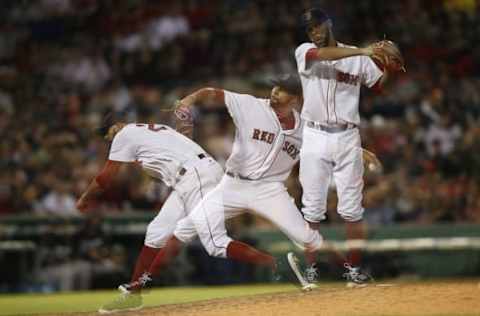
{"x":65,"y":63}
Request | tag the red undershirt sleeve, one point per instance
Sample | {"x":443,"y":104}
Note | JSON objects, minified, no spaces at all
{"x":311,"y":55}
{"x":104,"y":178}
{"x":377,"y":87}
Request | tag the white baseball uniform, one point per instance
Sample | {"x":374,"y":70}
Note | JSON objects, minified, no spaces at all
{"x":174,"y":159}
{"x":262,"y":157}
{"x":331,"y":140}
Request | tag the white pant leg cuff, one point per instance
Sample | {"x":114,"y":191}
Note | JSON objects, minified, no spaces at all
{"x":316,"y":218}
{"x":218,"y":249}
{"x":352,"y":216}
{"x":153,"y":244}
{"x":184,"y":238}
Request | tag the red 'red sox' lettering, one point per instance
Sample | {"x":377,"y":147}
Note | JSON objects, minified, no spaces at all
{"x":268,"y":138}
{"x":263,"y":136}
{"x":291,"y":150}
{"x":347,"y":78}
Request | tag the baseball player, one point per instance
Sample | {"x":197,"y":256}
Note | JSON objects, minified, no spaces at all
{"x":166,"y":156}
{"x":332,"y":74}
{"x":266,"y":147}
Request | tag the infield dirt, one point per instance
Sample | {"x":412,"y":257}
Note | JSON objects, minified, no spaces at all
{"x":426,"y":299}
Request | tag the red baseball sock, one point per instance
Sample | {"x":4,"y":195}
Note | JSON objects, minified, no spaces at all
{"x":144,"y":260}
{"x":242,"y":252}
{"x":355,"y":230}
{"x":355,"y":257}
{"x":310,"y":257}
{"x":170,"y":251}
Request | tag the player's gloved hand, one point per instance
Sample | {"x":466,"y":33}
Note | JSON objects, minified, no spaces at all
{"x":370,"y":161}
{"x":183,"y":112}
{"x":183,"y":119}
{"x":388,"y":56}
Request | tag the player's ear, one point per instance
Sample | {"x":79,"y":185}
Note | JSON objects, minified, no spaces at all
{"x":298,"y":100}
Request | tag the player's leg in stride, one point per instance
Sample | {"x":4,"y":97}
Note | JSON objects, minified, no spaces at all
{"x":236,"y":250}
{"x":308,"y":279}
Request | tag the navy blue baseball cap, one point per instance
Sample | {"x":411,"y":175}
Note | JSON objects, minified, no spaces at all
{"x":314,"y":16}
{"x":109,"y":118}
{"x":289,"y":82}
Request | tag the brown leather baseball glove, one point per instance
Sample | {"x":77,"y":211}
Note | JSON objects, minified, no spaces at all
{"x":371,"y":162}
{"x":387,"y":54}
{"x":183,"y":119}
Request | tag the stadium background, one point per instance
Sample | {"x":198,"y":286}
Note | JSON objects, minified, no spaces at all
{"x":65,"y":63}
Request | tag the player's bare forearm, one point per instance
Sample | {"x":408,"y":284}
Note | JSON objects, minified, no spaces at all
{"x":208,"y":97}
{"x":93,"y":191}
{"x":98,"y":185}
{"x":335,"y":53}
{"x":88,"y":197}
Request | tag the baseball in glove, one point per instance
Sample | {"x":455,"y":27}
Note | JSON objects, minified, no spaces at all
{"x":371,"y":162}
{"x":183,"y":119}
{"x":388,"y":56}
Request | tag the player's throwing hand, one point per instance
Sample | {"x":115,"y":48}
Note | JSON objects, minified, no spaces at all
{"x":84,"y":204}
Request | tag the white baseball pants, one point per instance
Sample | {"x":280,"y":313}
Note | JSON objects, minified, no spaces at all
{"x":199,"y":179}
{"x":326,"y":155}
{"x":233,"y":196}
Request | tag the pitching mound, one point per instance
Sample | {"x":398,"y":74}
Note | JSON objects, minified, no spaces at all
{"x":426,"y":299}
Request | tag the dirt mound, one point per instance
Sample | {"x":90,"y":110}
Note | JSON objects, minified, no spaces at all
{"x":426,"y":299}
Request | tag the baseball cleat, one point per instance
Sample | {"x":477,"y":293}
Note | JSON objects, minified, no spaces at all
{"x":353,"y":285}
{"x":124,"y":302}
{"x":355,"y":277}
{"x":293,"y":263}
{"x":143,"y":281}
{"x":311,"y":273}
{"x":309,"y":287}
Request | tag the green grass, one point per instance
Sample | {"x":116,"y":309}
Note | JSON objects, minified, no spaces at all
{"x":91,"y":301}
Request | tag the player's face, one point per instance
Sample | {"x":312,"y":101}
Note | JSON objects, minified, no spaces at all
{"x":319,"y":34}
{"x":280,"y":98}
